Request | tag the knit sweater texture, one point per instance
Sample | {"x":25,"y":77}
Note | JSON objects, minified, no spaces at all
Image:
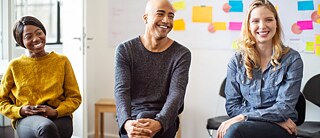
{"x":47,"y":80}
{"x":150,"y":81}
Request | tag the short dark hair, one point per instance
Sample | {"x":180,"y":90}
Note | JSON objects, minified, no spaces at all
{"x":18,"y":28}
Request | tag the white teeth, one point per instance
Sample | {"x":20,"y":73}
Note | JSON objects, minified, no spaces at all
{"x":37,"y":45}
{"x":262,"y":33}
{"x":162,"y":26}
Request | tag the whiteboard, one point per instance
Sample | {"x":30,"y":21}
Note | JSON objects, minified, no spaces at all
{"x":126,"y":22}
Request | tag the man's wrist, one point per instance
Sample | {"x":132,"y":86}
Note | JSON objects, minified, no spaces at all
{"x":159,"y":126}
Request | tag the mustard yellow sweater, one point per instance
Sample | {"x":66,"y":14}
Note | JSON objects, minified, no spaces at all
{"x":48,"y":80}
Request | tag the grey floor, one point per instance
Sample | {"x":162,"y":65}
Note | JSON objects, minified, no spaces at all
{"x":6,"y":132}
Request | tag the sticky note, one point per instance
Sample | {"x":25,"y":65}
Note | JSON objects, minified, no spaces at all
{"x":277,"y":8}
{"x":319,"y":9}
{"x":202,"y":14}
{"x":318,"y":50}
{"x":318,"y":20}
{"x":179,"y":5}
{"x":317,"y":39}
{"x":310,"y":46}
{"x":236,"y":6}
{"x":305,"y":5}
{"x":179,"y":25}
{"x":235,"y":25}
{"x":220,"y":25}
{"x":305,"y":25}
{"x":234,"y":45}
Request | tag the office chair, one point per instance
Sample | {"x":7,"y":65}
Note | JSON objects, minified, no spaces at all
{"x":215,"y":122}
{"x":311,"y":91}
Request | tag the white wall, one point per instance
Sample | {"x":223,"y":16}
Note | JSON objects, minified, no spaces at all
{"x":100,"y":63}
{"x":208,"y":69}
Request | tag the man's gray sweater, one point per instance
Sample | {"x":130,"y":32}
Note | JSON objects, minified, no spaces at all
{"x":150,"y":81}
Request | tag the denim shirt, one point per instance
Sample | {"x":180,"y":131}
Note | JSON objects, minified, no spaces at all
{"x":270,"y":95}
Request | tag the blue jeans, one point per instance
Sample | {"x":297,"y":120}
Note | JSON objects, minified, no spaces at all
{"x":41,"y":127}
{"x":256,"y":129}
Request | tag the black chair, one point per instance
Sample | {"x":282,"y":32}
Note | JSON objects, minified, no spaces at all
{"x":215,"y":122}
{"x":311,"y":91}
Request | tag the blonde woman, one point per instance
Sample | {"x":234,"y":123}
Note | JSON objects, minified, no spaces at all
{"x":263,"y":80}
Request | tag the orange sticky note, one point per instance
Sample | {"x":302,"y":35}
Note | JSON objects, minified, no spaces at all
{"x":179,"y":25}
{"x":202,"y":14}
{"x":317,"y":50}
{"x":317,"y":39}
{"x":220,"y":25}
{"x":179,"y":5}
{"x":319,"y":9}
{"x":310,"y":46}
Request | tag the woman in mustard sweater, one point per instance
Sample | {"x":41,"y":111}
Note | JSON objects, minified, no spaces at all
{"x":39,"y":90}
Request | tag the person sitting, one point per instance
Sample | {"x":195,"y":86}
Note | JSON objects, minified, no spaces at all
{"x":151,"y":76}
{"x":39,"y":90}
{"x":263,"y":80}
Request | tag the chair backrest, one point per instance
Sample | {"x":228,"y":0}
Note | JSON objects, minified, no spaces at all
{"x":311,"y":90}
{"x":222,"y":87}
{"x":301,"y":109}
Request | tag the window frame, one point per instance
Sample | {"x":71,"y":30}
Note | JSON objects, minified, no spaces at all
{"x":58,"y":35}
{"x":12,"y":50}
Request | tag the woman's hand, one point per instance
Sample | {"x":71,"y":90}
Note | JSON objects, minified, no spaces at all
{"x":226,"y":124}
{"x":42,"y":110}
{"x":289,"y":125}
{"x":28,"y":110}
{"x":46,"y":111}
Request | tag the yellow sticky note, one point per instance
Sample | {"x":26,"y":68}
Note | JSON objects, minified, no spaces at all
{"x":202,"y":14}
{"x":179,"y":25}
{"x":317,"y":39}
{"x":317,"y":50}
{"x":310,"y":46}
{"x":319,"y":9}
{"x":277,"y":8}
{"x":234,"y":45}
{"x":318,"y":20}
{"x":179,"y":5}
{"x":220,"y":25}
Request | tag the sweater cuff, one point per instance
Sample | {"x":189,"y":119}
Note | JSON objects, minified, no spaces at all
{"x":162,"y":123}
{"x":122,"y":129}
{"x":60,"y":111}
{"x":16,"y":110}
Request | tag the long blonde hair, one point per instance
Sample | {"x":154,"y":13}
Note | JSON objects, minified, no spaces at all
{"x":247,"y":42}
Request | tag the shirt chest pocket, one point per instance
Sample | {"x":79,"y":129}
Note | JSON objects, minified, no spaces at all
{"x":246,"y":85}
{"x":276,"y":78}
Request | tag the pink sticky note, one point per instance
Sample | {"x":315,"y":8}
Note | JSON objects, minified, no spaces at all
{"x":235,"y":25}
{"x":305,"y":25}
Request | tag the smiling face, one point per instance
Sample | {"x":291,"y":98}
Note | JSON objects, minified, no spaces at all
{"x":34,"y":40}
{"x":158,"y":17}
{"x":263,"y":25}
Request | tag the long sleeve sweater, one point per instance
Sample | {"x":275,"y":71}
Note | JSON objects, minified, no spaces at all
{"x":47,"y":80}
{"x":150,"y":81}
